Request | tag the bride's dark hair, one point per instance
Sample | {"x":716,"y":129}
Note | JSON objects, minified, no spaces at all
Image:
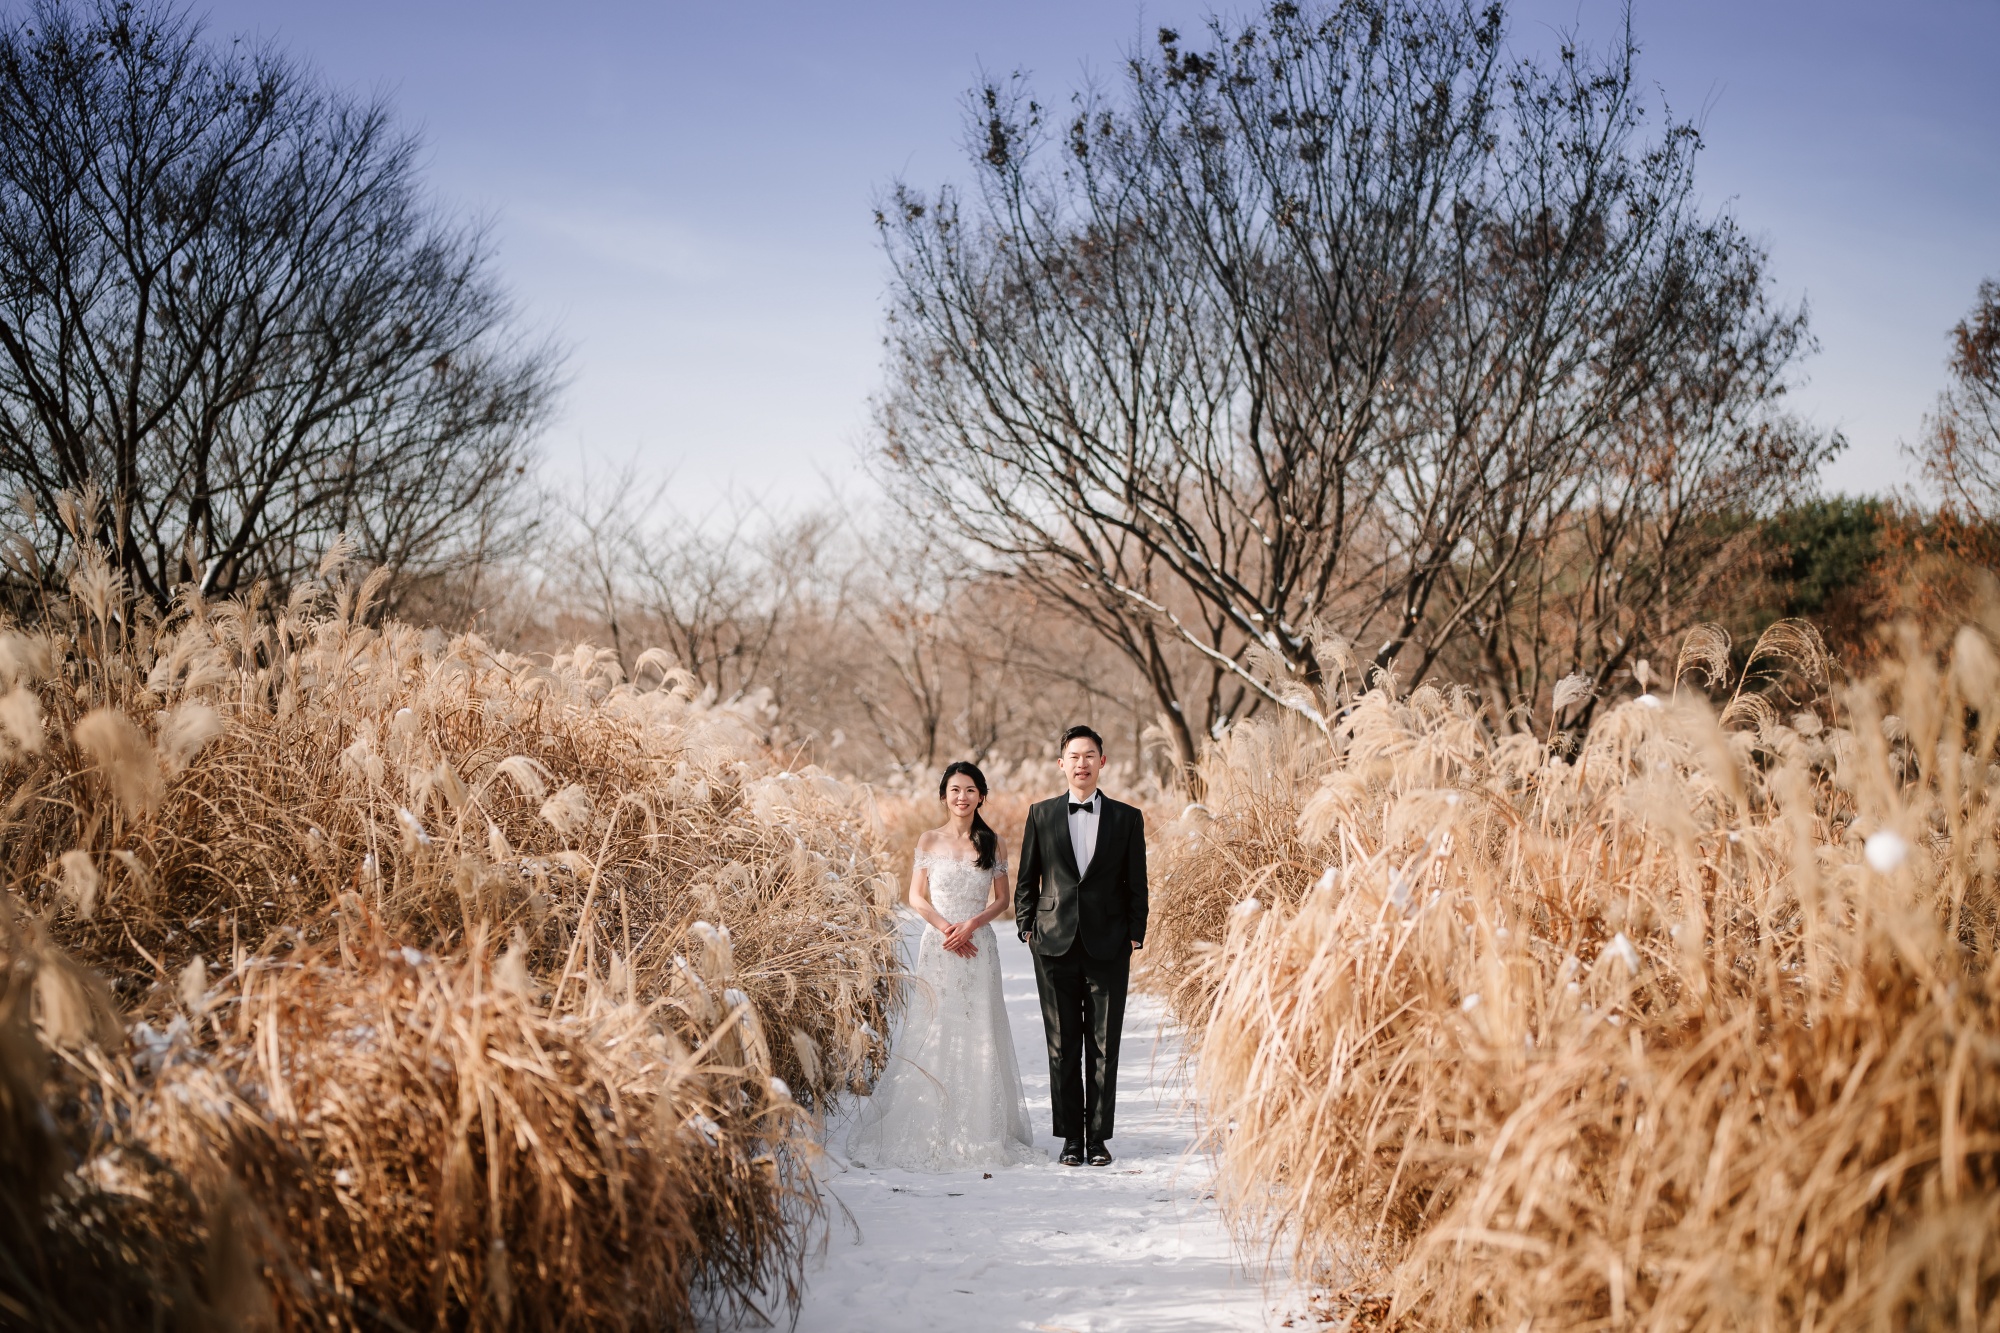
{"x":984,"y":839}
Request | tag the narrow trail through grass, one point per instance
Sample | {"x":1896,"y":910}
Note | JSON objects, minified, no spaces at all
{"x":1139,"y":1245}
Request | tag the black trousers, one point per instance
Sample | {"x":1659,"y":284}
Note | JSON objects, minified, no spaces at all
{"x":1083,"y":1011}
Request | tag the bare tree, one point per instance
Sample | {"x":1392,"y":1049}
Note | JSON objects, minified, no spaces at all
{"x":906,"y":605}
{"x":227,"y":304}
{"x":1668,"y":512}
{"x":956,"y":662}
{"x":884,"y":651}
{"x":1961,"y":449}
{"x":727,"y":596}
{"x":723,"y":594}
{"x":1333,"y":322}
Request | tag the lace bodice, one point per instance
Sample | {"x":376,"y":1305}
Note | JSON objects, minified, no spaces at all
{"x":959,"y":888}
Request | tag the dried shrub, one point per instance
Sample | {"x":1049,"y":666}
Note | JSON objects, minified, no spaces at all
{"x":94,"y":1234}
{"x":424,"y":1138}
{"x":1695,"y":1031}
{"x":1241,"y":840}
{"x":491,"y":990}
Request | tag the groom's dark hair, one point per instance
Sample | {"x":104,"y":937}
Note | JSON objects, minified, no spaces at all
{"x":1080,"y":734}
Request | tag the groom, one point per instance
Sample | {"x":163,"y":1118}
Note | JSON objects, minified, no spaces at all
{"x":1080,"y":903}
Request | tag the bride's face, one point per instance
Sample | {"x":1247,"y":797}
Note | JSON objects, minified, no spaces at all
{"x":961,"y":796}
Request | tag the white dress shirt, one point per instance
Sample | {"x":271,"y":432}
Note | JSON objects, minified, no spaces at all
{"x":1083,"y":829}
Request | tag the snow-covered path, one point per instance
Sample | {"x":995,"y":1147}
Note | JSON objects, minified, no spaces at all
{"x":1134,"y":1246}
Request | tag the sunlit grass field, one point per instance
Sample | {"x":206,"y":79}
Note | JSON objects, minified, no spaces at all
{"x":1697,"y":1030}
{"x":368,"y":976}
{"x":393,"y":980}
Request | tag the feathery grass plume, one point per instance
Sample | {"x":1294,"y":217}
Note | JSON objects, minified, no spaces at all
{"x":124,"y":760}
{"x":80,"y":882}
{"x":20,"y":723}
{"x":185,"y":730}
{"x":306,"y":829}
{"x":1697,"y":1031}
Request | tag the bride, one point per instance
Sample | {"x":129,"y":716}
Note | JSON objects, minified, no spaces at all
{"x":951,"y":1095}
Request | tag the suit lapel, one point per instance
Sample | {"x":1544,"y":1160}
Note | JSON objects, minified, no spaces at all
{"x":1065,"y":849}
{"x":1108,"y":815}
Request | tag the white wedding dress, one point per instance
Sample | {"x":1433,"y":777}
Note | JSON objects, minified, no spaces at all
{"x":950,"y":1098}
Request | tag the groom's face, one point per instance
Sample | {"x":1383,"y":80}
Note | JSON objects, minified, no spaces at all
{"x":1081,"y":763}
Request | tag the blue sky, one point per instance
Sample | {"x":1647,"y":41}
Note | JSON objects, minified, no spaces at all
{"x":682,"y":192}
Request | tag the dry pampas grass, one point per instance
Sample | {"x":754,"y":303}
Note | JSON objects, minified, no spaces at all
{"x":497,"y":991}
{"x":1240,"y":841}
{"x":95,"y":1232}
{"x":1699,"y":1030}
{"x":429,"y":1141}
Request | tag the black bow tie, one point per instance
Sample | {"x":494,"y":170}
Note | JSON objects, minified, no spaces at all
{"x":1088,"y":807}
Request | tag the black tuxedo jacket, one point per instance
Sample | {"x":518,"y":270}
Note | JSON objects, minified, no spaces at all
{"x":1105,"y":907}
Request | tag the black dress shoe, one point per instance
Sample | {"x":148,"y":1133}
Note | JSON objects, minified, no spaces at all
{"x":1099,"y":1155}
{"x":1072,"y":1153}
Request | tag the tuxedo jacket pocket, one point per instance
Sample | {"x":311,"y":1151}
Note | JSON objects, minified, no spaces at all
{"x":1046,"y":903}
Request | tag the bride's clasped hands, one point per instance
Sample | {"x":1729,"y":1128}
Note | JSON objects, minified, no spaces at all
{"x":958,"y":938}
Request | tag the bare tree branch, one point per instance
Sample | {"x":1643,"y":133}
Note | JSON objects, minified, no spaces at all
{"x":226,"y":302}
{"x":1336,"y":321}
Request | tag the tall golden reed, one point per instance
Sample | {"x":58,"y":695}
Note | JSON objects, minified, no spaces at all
{"x":1700,"y":1030}
{"x":464,"y":989}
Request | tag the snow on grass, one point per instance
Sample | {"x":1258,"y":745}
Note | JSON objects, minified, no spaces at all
{"x":1138,"y":1245}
